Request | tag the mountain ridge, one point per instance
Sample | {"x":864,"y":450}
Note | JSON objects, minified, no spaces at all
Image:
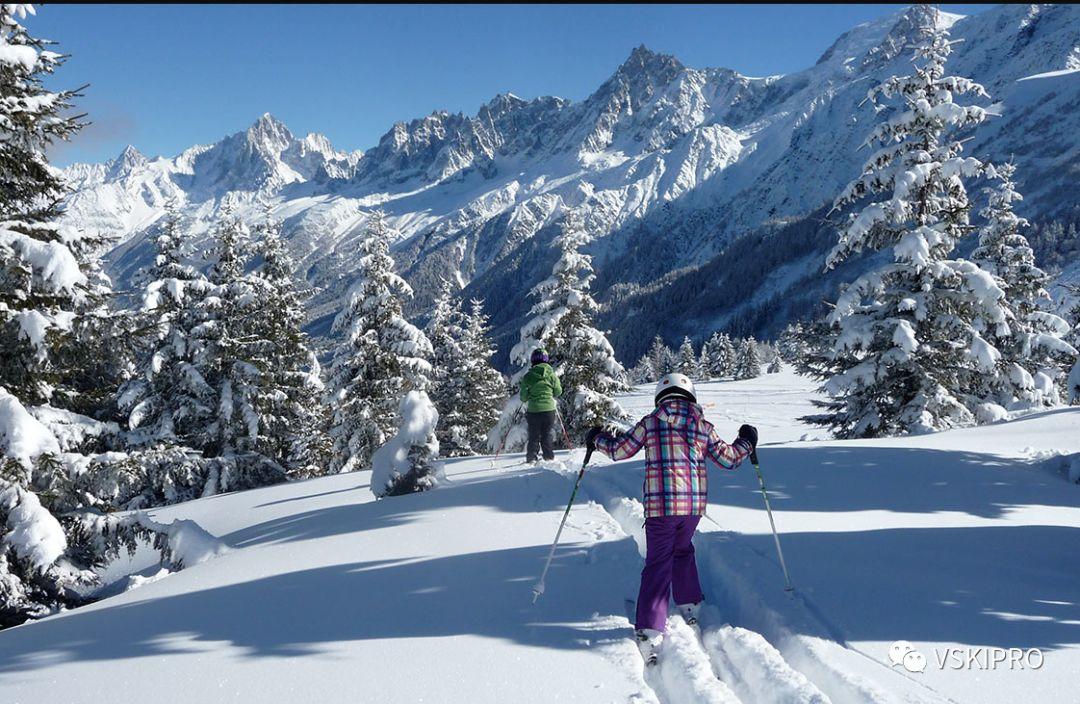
{"x":662,"y":158}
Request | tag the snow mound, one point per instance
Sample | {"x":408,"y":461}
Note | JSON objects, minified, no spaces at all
{"x":392,"y":460}
{"x":987,"y":413}
{"x":187,"y":543}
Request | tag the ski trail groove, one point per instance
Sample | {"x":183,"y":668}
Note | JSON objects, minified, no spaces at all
{"x":684,"y":673}
{"x":753,"y":670}
{"x":797,"y":668}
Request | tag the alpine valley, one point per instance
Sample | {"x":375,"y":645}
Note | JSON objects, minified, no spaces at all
{"x":686,"y":178}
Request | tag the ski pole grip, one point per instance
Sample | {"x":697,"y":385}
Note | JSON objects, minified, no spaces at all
{"x":753,"y":456}
{"x":588,"y":455}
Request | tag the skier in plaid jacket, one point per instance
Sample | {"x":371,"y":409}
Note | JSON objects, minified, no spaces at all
{"x":677,"y":441}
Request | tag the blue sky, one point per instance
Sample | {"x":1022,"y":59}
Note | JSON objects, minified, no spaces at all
{"x":164,"y":77}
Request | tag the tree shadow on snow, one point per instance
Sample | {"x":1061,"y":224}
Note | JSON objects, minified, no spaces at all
{"x":916,"y":480}
{"x":531,"y":491}
{"x":1005,"y":586}
{"x":304,"y":612}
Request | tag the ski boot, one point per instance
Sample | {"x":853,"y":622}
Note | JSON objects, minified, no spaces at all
{"x":690,"y":612}
{"x":648,"y":642}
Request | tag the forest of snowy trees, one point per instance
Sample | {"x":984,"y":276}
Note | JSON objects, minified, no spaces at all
{"x":929,"y":342}
{"x":209,"y":383}
{"x":720,"y":357}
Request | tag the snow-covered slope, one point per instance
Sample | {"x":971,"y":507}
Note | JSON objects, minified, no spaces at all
{"x":666,"y":159}
{"x":960,"y":539}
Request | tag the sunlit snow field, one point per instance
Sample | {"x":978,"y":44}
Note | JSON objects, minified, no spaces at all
{"x":962,"y":539}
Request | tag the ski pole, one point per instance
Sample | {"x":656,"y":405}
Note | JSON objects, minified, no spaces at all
{"x":538,"y":589}
{"x":562,"y":424}
{"x":775,"y":535}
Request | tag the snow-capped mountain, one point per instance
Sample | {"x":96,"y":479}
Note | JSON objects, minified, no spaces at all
{"x":689,"y":178}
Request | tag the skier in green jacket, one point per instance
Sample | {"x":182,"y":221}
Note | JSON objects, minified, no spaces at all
{"x":539,"y":388}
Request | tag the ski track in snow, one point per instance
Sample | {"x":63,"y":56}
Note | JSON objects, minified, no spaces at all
{"x":744,"y":652}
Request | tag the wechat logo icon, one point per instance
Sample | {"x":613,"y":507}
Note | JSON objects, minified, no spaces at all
{"x":904,"y":653}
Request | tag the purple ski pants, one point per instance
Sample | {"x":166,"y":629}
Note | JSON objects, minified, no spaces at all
{"x":670,"y":569}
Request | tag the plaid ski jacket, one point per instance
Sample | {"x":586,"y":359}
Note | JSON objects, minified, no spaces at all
{"x":677,"y":439}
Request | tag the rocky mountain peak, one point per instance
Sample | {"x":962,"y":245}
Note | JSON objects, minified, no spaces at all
{"x":647,"y":70}
{"x":269,"y":135}
{"x":128,"y":160}
{"x":910,"y":26}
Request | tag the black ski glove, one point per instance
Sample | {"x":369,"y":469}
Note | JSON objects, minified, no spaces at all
{"x":749,"y":434}
{"x":590,"y":438}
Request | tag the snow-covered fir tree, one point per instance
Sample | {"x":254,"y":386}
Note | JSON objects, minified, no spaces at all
{"x":289,"y":403}
{"x":225,"y":369}
{"x":487,"y":385}
{"x":1031,"y":344}
{"x":642,"y":372}
{"x":686,"y":360}
{"x":168,"y":399}
{"x":407,"y":462}
{"x":909,"y":337}
{"x":718,"y":357}
{"x":747,"y":360}
{"x":791,"y":346}
{"x":229,"y":359}
{"x":561,"y":323}
{"x":811,"y":346}
{"x":703,"y":361}
{"x":661,"y":358}
{"x":1072,"y":316}
{"x":587,"y":367}
{"x":59,"y":348}
{"x":380,"y":356}
{"x":466,"y":389}
{"x":43,"y":288}
{"x":776,"y":366}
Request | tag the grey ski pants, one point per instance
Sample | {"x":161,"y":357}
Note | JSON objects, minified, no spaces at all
{"x":540,"y":426}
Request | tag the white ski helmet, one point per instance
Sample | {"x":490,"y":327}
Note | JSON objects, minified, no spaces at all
{"x":675,"y":385}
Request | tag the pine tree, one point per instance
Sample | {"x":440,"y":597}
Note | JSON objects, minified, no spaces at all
{"x":562,"y":320}
{"x":380,"y":357}
{"x":703,"y":361}
{"x":811,"y":347}
{"x":226,"y":370}
{"x":908,"y":337}
{"x":791,"y":346}
{"x":229,"y":358}
{"x":1072,"y":316}
{"x":289,"y":401}
{"x":718,"y":357}
{"x":168,"y":400}
{"x":661,"y":358}
{"x":747,"y":361}
{"x":43,"y":288}
{"x":466,"y":389}
{"x":51,"y":301}
{"x":642,"y":372}
{"x":1031,"y":342}
{"x":687,"y":361}
{"x":444,"y":330}
{"x":561,"y":323}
